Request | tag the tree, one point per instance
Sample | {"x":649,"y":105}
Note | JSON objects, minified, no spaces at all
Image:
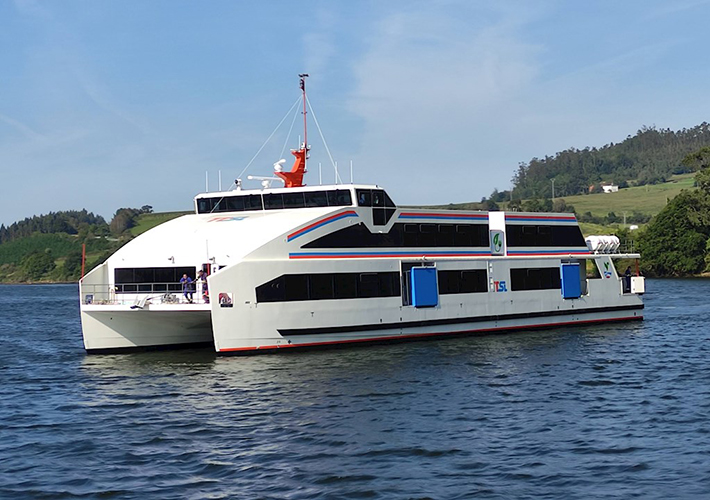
{"x":675,"y":241}
{"x":37,"y":264}
{"x":698,"y":160}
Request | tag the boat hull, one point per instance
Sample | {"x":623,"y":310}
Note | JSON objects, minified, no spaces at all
{"x":122,"y":329}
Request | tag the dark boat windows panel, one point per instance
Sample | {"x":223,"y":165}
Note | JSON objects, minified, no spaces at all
{"x":234,"y":203}
{"x":321,"y":286}
{"x":544,"y":278}
{"x":273,"y":201}
{"x":364,"y":197}
{"x":316,"y":199}
{"x":294,"y":200}
{"x":463,"y":281}
{"x":381,"y":216}
{"x":405,"y":235}
{"x":544,"y":236}
{"x":150,"y":279}
{"x":345,"y":285}
{"x":339,"y":198}
{"x":298,"y":287}
{"x":253,"y":202}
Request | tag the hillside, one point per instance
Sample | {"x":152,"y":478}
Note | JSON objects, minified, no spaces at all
{"x":648,"y":199}
{"x":652,"y":156}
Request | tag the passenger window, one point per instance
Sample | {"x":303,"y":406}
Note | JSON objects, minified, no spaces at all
{"x":316,"y":199}
{"x":293,"y":200}
{"x":235,"y":203}
{"x":253,"y":202}
{"x":273,"y":201}
{"x":364,"y":198}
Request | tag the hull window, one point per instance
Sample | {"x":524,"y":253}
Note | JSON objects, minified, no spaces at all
{"x":298,"y":287}
{"x":545,"y":278}
{"x":463,"y":281}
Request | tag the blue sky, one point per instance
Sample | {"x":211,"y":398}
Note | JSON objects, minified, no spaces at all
{"x":109,"y":104}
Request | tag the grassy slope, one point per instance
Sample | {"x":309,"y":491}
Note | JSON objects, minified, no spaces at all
{"x":644,"y":199}
{"x":149,"y":221}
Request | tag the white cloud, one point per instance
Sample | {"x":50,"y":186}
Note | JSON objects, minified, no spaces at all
{"x":430,"y":90}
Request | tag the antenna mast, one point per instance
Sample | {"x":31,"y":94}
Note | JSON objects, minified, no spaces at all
{"x":294,"y":178}
{"x":302,"y":83}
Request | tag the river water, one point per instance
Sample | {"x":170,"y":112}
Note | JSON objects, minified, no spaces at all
{"x":610,"y":411}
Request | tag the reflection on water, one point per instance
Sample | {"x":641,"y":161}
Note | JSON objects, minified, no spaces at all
{"x":606,"y":411}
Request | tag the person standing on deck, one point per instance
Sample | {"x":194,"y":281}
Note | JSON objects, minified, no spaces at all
{"x":627,"y":280}
{"x":186,"y":282}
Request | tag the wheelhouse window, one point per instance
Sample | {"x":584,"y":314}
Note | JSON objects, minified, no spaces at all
{"x":275,"y":201}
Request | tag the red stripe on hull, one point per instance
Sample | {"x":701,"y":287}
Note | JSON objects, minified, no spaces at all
{"x":426,"y":335}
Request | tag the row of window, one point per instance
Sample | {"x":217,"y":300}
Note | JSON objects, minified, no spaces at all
{"x":544,"y":236}
{"x":275,"y":201}
{"x":406,"y":235}
{"x":298,"y":287}
{"x":293,"y":287}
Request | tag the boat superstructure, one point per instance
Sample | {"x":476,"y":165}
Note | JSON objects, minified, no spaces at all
{"x":303,"y":266}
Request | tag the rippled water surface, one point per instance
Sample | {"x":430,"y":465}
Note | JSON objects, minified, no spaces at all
{"x":611,"y":411}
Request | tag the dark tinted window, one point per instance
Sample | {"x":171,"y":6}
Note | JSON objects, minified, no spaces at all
{"x":345,"y":285}
{"x":407,"y":235}
{"x":464,"y":281}
{"x":204,"y":205}
{"x":273,"y":201}
{"x":294,"y":200}
{"x":316,"y":199}
{"x":252,"y":202}
{"x":545,"y":278}
{"x":364,"y":197}
{"x":544,"y":236}
{"x":321,"y":286}
{"x":297,"y":287}
{"x":150,"y":279}
{"x":339,"y":198}
{"x":234,"y":203}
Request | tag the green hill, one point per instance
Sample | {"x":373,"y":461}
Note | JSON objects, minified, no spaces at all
{"x":648,"y":200}
{"x":149,"y":221}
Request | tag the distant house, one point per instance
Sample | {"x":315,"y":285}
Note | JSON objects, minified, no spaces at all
{"x":610,"y":188}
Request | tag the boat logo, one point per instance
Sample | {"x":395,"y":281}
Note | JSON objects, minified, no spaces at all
{"x":607,"y":272}
{"x":226,"y":218}
{"x":497,"y":239}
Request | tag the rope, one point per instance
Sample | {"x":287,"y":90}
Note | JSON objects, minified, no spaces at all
{"x":288,"y":135}
{"x":337,"y":175}
{"x":269,"y":138}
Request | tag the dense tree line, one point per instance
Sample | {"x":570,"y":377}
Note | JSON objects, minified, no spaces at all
{"x":649,"y":157}
{"x":49,"y":247}
{"x":677,"y":241}
{"x":69,"y":222}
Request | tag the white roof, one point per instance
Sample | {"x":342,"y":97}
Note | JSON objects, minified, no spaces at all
{"x":198,"y":238}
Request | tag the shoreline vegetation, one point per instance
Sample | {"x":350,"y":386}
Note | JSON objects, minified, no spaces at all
{"x":658,"y":206}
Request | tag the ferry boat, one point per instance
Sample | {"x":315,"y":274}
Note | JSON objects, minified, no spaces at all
{"x":305,"y":266}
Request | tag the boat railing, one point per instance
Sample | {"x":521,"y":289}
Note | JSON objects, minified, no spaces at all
{"x":141,"y":293}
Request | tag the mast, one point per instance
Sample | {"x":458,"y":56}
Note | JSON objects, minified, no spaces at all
{"x":294,"y":178}
{"x":302,"y":83}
